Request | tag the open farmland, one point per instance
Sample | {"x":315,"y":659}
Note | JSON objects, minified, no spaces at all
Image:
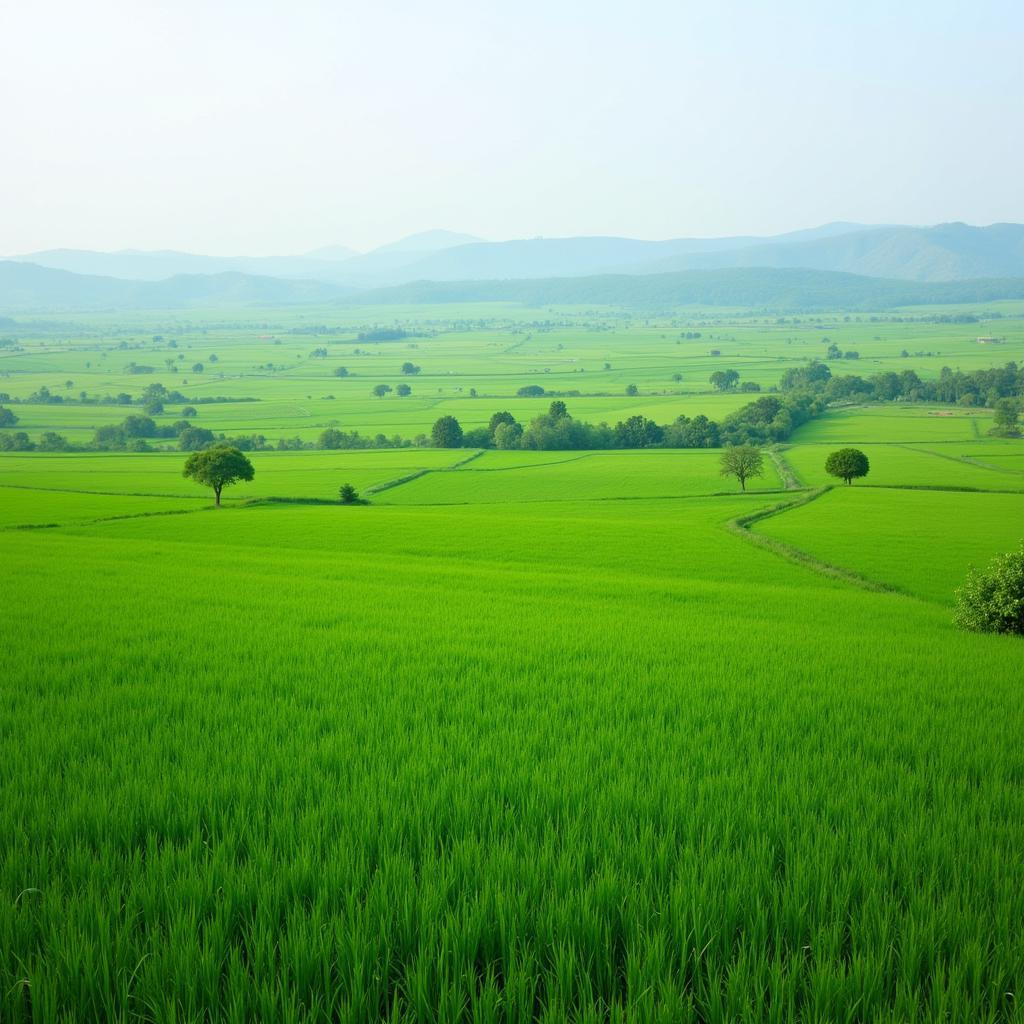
{"x":534,"y":735}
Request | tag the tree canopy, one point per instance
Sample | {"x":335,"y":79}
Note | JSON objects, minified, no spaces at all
{"x":992,"y":601}
{"x":218,"y":467}
{"x":847,"y":464}
{"x":742,"y":461}
{"x":446,"y":433}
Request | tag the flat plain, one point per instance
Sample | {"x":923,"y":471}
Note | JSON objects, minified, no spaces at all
{"x":533,"y":735}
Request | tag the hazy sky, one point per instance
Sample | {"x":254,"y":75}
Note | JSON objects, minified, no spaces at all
{"x":252,"y":127}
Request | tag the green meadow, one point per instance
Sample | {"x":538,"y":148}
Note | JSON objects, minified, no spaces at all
{"x":533,"y":735}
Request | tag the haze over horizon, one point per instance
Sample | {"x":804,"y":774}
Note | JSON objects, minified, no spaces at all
{"x":248,"y":129}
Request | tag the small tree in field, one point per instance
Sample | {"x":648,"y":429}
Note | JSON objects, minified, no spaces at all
{"x":742,"y":461}
{"x":993,"y":601}
{"x":847,"y":464}
{"x":348,"y":495}
{"x":218,"y":467}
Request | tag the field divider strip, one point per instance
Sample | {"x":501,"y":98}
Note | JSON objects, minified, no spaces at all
{"x":387,"y":485}
{"x":108,"y":494}
{"x":788,"y":476}
{"x":741,"y":526}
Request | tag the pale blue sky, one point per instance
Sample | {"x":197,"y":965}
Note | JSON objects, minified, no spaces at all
{"x":259,"y":127}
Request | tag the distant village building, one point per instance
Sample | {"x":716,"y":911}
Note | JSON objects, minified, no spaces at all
{"x":990,"y":341}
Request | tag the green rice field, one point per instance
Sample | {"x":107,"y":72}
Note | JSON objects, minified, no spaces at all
{"x":533,"y":735}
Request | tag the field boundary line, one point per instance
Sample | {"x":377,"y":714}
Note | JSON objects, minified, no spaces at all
{"x":585,"y":501}
{"x":788,"y":476}
{"x":965,"y":460}
{"x":387,"y":485}
{"x":741,"y":527}
{"x":106,"y":494}
{"x":109,"y":519}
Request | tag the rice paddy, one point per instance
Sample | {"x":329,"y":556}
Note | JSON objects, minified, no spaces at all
{"x":535,"y":736}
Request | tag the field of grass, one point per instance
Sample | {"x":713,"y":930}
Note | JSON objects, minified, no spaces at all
{"x":922,"y":542}
{"x":600,"y":776}
{"x":309,"y":474}
{"x":535,"y":736}
{"x":272,"y":356}
{"x":895,"y":423}
{"x":573,"y":476}
{"x":897,"y":465}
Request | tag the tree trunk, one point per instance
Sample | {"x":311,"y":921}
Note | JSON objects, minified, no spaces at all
{"x":743,"y":483}
{"x":216,"y":494}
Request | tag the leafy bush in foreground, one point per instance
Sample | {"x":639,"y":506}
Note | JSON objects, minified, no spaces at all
{"x":992,"y":601}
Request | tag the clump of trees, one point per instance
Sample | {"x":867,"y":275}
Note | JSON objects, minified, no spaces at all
{"x":743,"y":461}
{"x":1006,"y":418}
{"x":218,"y":467}
{"x":847,"y":464}
{"x":992,"y":600}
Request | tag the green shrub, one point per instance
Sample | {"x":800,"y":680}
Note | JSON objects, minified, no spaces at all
{"x":992,"y":601}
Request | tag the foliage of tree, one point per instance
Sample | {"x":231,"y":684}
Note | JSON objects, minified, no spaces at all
{"x":498,"y":418}
{"x":218,"y":467}
{"x":7,"y":417}
{"x":507,"y":435}
{"x":724,"y":380}
{"x":478,"y":437}
{"x":341,"y":371}
{"x":530,"y":391}
{"x":348,"y":495}
{"x":847,"y":464}
{"x":403,"y":390}
{"x":446,"y":433}
{"x":194,"y":439}
{"x":992,"y":600}
{"x":381,"y":390}
{"x":742,"y":461}
{"x":1005,"y":419}
{"x":410,"y":369}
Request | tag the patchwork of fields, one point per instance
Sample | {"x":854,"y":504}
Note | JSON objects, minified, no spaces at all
{"x":533,"y":736}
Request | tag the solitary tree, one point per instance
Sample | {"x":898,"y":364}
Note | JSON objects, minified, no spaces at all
{"x":7,"y":417}
{"x":348,"y":495}
{"x":993,"y":601}
{"x":218,"y":467}
{"x":847,"y":464}
{"x":381,"y":390}
{"x":410,"y":369}
{"x":742,"y":461}
{"x":446,"y":433}
{"x":632,"y":390}
{"x":403,"y":390}
{"x":557,"y":411}
{"x":341,"y":371}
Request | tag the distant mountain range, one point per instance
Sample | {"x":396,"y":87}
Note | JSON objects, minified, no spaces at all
{"x":25,"y":287}
{"x":750,"y":287}
{"x":946,"y":252}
